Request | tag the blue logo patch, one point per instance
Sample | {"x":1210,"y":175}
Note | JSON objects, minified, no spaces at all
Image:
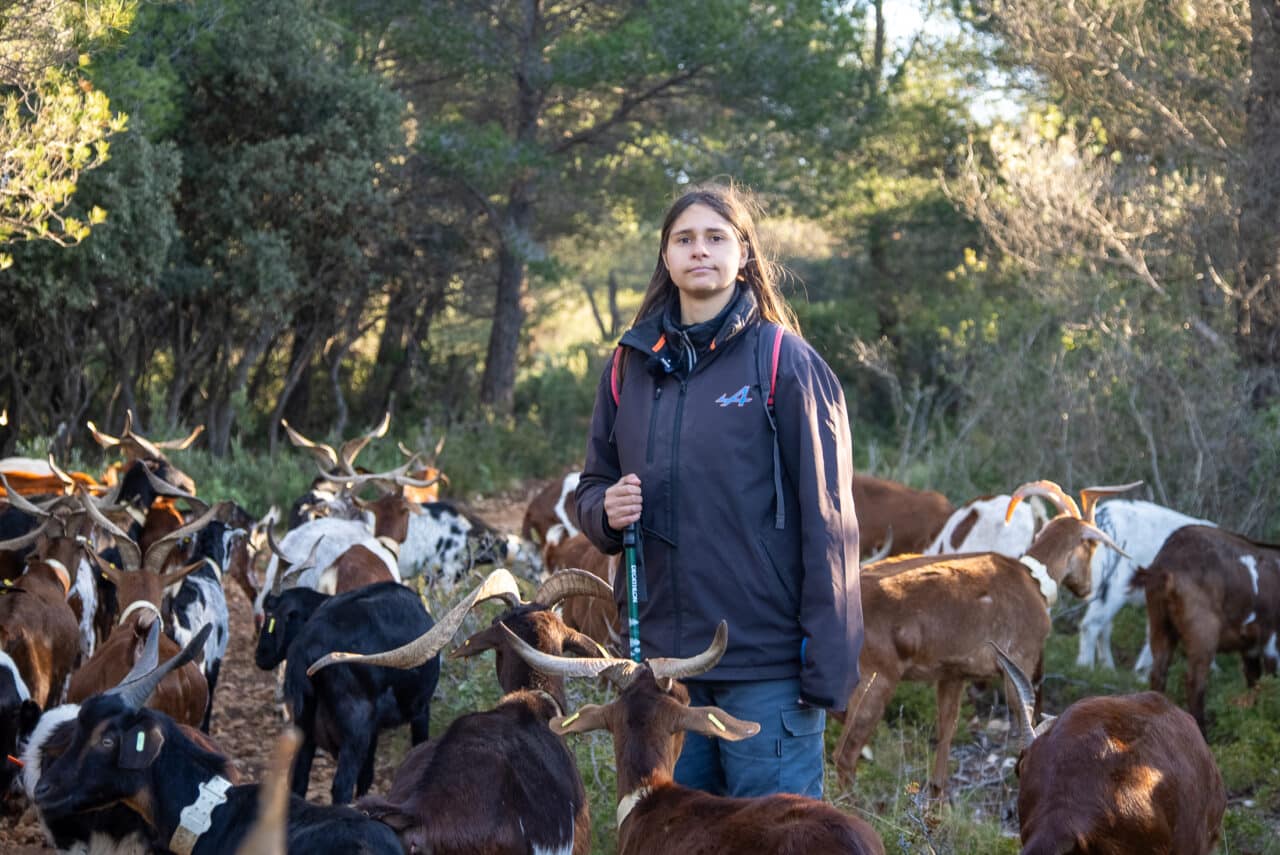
{"x":740,"y":397}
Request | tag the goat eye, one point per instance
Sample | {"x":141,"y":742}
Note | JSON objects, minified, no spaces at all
{"x":108,"y":742}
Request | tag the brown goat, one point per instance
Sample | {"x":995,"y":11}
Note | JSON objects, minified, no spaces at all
{"x":929,"y":618}
{"x":887,"y":509}
{"x":595,"y":616}
{"x":648,"y":721}
{"x":182,"y":695}
{"x":1215,"y":592}
{"x":1120,"y":774}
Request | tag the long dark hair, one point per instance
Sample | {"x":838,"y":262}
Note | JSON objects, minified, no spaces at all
{"x":761,"y":275}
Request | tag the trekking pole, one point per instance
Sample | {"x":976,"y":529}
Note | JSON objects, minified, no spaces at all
{"x":630,"y":554}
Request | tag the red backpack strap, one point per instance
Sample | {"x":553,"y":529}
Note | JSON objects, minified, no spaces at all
{"x":773,"y":363}
{"x":613,"y":376}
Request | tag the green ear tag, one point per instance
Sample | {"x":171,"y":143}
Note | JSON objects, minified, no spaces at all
{"x":141,"y":743}
{"x":570,"y":720}
{"x":271,"y":626}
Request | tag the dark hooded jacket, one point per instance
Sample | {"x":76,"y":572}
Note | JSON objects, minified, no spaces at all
{"x":697,"y":434}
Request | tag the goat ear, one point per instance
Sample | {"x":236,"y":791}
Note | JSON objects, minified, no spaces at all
{"x":28,"y":716}
{"x":141,"y":745}
{"x":587,"y":718}
{"x":717,"y":724}
{"x":486,"y":639}
{"x":388,"y":812}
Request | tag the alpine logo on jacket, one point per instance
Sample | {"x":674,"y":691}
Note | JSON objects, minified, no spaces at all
{"x":742,"y":397}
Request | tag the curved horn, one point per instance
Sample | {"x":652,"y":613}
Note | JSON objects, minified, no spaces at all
{"x":679,"y":669}
{"x":396,"y":476}
{"x":130,"y":553}
{"x":499,"y":583}
{"x":181,"y":444}
{"x":1026,"y":695}
{"x":1091,"y":532}
{"x":164,"y":488}
{"x":273,"y":545}
{"x":883,"y":552}
{"x":103,"y":439}
{"x":560,"y":666}
{"x":135,"y":693}
{"x":68,"y":483}
{"x":1046,"y":490}
{"x":136,"y":442}
{"x":352,"y":447}
{"x":324,"y":454}
{"x":1090,"y":496}
{"x":21,"y":502}
{"x":159,"y":551}
{"x":572,"y":583}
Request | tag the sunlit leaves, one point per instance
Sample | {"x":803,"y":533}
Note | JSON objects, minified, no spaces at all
{"x":47,"y":139}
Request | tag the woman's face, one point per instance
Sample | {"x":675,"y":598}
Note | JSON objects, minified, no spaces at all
{"x":704,"y":256}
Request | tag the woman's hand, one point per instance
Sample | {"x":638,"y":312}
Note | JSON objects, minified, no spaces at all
{"x":622,"y":502}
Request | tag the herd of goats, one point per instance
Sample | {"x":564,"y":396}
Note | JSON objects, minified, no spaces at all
{"x":114,"y":624}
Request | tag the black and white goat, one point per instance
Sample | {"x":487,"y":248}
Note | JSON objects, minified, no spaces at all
{"x":201,"y":600}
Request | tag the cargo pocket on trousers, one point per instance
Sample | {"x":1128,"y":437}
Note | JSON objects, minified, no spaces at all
{"x":802,"y":750}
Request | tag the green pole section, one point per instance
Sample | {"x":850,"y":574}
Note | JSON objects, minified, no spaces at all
{"x":629,"y":538}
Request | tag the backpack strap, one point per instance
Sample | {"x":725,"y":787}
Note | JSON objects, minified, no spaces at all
{"x":613,"y":376}
{"x":767,"y":363}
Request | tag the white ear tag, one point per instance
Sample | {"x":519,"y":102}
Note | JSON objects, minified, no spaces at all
{"x":141,"y":742}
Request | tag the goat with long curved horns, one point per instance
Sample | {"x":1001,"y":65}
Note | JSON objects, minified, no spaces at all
{"x":648,"y":721}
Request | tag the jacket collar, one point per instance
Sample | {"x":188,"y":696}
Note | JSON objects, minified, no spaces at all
{"x":649,"y":335}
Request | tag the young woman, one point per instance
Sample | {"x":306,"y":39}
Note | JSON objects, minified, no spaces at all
{"x":745,"y":509}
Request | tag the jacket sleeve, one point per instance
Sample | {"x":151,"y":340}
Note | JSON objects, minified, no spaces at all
{"x":817,"y":455}
{"x":601,"y":469}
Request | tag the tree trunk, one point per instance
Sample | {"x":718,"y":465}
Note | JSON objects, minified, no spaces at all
{"x":497,"y":387}
{"x":303,"y":352}
{"x":1260,"y":207}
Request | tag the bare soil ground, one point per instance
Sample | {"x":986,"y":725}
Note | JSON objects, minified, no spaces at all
{"x":245,"y":721}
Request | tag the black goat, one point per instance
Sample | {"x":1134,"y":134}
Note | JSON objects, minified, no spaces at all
{"x":123,"y":754}
{"x":343,"y":709}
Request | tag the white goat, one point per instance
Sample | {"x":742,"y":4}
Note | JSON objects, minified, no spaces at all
{"x":1140,"y":528}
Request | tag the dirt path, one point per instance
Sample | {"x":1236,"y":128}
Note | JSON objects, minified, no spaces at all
{"x":245,"y":722}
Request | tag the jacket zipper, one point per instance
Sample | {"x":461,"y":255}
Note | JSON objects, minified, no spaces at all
{"x":674,"y":516}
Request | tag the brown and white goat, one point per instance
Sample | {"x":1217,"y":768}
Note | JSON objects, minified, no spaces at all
{"x":928,"y":619}
{"x":1129,"y":773}
{"x":1216,"y":592}
{"x":184,"y":694}
{"x":553,"y":505}
{"x":648,"y":721}
{"x":889,"y":510}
